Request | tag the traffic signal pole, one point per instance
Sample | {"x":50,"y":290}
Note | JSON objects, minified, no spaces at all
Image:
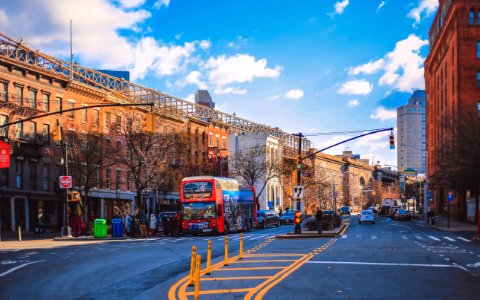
{"x":298,"y":227}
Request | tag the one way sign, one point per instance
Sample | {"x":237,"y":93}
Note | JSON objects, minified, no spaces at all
{"x":298,"y":192}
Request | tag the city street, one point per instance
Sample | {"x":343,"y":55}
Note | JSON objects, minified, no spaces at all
{"x":391,"y":259}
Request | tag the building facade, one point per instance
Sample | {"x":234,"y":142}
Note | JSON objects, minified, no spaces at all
{"x":411,"y":133}
{"x":202,"y":97}
{"x":452,"y":78}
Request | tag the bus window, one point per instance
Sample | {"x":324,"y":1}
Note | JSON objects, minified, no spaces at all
{"x":197,"y":190}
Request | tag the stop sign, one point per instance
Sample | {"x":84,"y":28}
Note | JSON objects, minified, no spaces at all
{"x":65,"y":182}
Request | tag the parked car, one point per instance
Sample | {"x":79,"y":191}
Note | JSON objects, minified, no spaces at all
{"x":392,"y":211}
{"x":344,"y":210}
{"x":366,"y":216}
{"x":287,"y":217}
{"x":374,"y":209}
{"x":267,"y":218}
{"x":385,"y":211}
{"x":402,"y":214}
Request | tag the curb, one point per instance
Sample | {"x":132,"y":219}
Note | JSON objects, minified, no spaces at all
{"x":340,"y":232}
{"x":89,"y":238}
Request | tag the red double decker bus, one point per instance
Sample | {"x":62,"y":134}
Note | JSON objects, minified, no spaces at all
{"x":216,"y":205}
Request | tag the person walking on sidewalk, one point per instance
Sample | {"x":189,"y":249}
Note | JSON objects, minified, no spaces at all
{"x":128,"y":223}
{"x":153,"y":224}
{"x":143,"y":223}
{"x":319,"y":219}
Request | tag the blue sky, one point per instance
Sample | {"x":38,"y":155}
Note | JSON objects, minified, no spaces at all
{"x":304,"y":66}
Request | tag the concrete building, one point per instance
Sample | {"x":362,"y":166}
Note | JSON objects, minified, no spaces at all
{"x":452,"y":79}
{"x":411,"y":134}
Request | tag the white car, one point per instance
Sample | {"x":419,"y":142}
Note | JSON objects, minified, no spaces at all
{"x":366,"y":216}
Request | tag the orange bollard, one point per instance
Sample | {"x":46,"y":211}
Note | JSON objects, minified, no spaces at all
{"x":192,"y":265}
{"x":241,"y":246}
{"x":197,"y":277}
{"x":209,"y":257}
{"x":226,"y":251}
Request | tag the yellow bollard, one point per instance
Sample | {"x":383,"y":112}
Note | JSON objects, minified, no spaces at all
{"x":192,"y":265}
{"x":241,"y":246}
{"x":209,"y":257}
{"x":197,"y":277}
{"x":226,"y":251}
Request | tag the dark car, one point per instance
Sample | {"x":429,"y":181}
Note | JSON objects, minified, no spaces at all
{"x":287,"y":217}
{"x":402,"y":214}
{"x":267,"y":218}
{"x":385,"y":210}
{"x":164,"y":214}
{"x":392,"y":211}
{"x":344,"y":210}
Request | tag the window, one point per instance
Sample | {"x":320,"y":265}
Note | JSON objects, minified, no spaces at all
{"x":478,"y":49}
{"x":46,"y":133}
{"x":3,"y":91}
{"x":19,"y":94}
{"x":46,"y":102}
{"x":210,"y":140}
{"x":97,"y":177}
{"x":19,"y":174}
{"x":108,"y":120}
{"x":58,"y":104}
{"x":4,"y":177}
{"x":96,"y":117}
{"x":84,"y":114}
{"x":108,"y":178}
{"x":33,"y":98}
{"x":119,"y":146}
{"x":217,"y":141}
{"x":71,"y":137}
{"x":18,"y":130}
{"x":118,"y":122}
{"x":118,"y":179}
{"x":478,"y":79}
{"x":33,"y":175}
{"x":471,"y":17}
{"x":224,"y":142}
{"x":71,"y":114}
{"x":478,"y":109}
{"x":31,"y":130}
{"x":3,"y":120}
{"x":129,"y":180}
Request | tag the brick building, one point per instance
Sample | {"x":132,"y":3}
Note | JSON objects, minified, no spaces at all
{"x":452,"y":78}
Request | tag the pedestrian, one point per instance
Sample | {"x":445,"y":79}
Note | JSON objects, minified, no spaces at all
{"x":173,"y":225}
{"x":153,"y":224}
{"x":179,"y":222}
{"x":143,"y":223}
{"x":128,"y":223}
{"x":165,"y":224}
{"x":318,"y":220}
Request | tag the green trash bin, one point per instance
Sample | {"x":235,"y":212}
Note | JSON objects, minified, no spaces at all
{"x":100,"y":228}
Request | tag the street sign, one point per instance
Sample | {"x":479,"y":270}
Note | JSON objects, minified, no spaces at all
{"x":298,"y":192}
{"x":450,"y":196}
{"x":4,"y":155}
{"x":65,"y":182}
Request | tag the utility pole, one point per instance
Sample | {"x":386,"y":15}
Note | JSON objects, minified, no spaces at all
{"x":298,"y":227}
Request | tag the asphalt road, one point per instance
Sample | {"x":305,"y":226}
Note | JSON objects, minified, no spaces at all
{"x":389,"y":259}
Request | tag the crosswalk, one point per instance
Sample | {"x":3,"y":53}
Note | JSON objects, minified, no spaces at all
{"x":236,"y":237}
{"x":419,"y":237}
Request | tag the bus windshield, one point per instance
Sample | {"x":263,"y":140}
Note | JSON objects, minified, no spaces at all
{"x":197,"y":190}
{"x":198,"y":210}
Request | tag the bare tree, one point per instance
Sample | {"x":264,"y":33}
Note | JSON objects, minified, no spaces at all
{"x":254,"y":168}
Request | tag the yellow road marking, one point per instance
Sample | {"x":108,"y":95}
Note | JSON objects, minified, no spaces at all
{"x":234,"y":278}
{"x":246,"y":269}
{"x":263,"y":260}
{"x":209,"y":292}
{"x":274,"y":254}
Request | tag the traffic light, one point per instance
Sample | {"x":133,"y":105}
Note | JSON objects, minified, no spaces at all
{"x":297,"y":217}
{"x":57,"y":133}
{"x":74,"y":196}
{"x":149,"y":122}
{"x":392,"y":141}
{"x":299,"y":162}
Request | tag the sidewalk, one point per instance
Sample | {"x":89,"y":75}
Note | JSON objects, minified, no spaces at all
{"x":338,"y":231}
{"x":455,"y":225}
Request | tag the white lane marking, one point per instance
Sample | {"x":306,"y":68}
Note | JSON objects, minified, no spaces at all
{"x":374,"y":237}
{"x":9,"y":250}
{"x":434,"y":238}
{"x":475,"y":265}
{"x":384,"y":264}
{"x":463,"y":239}
{"x":404,"y":237}
{"x":461,"y":267}
{"x":418,"y":237}
{"x":450,"y":239}
{"x":447,"y":259}
{"x":470,"y":252}
{"x":344,"y":236}
{"x":18,"y":267}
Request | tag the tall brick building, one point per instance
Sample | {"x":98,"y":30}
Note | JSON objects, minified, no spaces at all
{"x":452,"y":77}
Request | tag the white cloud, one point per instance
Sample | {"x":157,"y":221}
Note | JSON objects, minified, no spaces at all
{"x":294,"y":94}
{"x":356,"y":87}
{"x":383,"y":114}
{"x":229,"y":90}
{"x":158,"y":4}
{"x":239,"y":68}
{"x":425,"y":7}
{"x":178,"y":36}
{"x":131,"y":3}
{"x":382,"y":3}
{"x":402,"y":67}
{"x":239,"y":42}
{"x":340,"y":6}
{"x":205,"y":44}
{"x":190,"y":97}
{"x":194,"y":77}
{"x":353,"y":103}
{"x":368,"y":68}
